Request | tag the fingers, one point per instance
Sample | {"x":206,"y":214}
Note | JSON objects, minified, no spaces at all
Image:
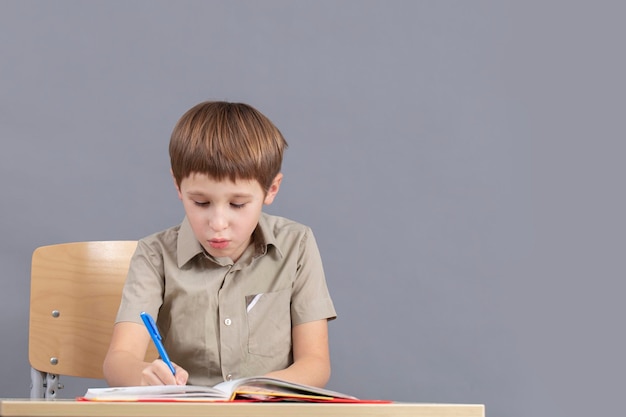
{"x":158,"y":373}
{"x":181,"y":375}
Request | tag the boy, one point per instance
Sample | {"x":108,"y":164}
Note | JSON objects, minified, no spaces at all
{"x":235,"y":292}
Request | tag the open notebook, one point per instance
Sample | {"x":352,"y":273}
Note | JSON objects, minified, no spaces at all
{"x":250,"y":389}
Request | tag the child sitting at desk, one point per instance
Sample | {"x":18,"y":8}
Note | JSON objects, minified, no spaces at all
{"x":235,"y":292}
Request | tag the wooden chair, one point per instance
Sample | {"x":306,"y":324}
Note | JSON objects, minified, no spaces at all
{"x":75,"y":293}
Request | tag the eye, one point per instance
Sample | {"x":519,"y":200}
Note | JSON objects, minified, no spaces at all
{"x":201,"y":203}
{"x":237,"y":206}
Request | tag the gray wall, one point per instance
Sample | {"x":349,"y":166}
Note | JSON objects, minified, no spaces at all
{"x":461,"y":164}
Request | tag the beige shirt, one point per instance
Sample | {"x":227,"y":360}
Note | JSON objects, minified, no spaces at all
{"x":221,"y":320}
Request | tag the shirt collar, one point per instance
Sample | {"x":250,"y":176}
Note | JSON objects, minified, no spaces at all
{"x":264,"y":237}
{"x":188,"y":246}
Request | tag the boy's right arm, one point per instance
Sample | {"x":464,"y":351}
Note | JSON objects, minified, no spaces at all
{"x":124,"y":364}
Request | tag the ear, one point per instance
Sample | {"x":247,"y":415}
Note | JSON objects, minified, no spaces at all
{"x":271,"y":193}
{"x":180,"y":196}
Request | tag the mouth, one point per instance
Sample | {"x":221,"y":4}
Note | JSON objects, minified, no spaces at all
{"x":218,"y":243}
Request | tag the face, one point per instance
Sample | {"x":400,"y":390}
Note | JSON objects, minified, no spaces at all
{"x":223,"y":214}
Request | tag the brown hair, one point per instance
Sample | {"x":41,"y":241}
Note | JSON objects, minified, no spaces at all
{"x":226,"y":140}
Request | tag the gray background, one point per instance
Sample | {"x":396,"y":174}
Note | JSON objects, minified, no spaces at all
{"x":461,"y":163}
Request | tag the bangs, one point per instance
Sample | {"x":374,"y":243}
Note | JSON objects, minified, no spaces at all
{"x":226,"y":141}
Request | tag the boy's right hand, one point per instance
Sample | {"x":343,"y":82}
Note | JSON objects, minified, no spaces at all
{"x":158,"y":373}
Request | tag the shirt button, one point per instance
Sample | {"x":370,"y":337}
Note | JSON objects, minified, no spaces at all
{"x":229,"y":377}
{"x":228,"y":322}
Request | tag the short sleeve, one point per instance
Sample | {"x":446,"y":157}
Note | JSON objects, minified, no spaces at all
{"x":310,"y":298}
{"x":144,"y":286}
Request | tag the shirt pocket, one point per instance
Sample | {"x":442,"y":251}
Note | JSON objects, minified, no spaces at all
{"x":269,"y":323}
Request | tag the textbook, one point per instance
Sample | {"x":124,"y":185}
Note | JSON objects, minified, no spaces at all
{"x":245,"y":389}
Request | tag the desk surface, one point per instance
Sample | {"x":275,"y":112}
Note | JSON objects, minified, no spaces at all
{"x":69,"y":408}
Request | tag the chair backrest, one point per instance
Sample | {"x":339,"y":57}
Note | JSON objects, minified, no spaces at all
{"x":75,"y":293}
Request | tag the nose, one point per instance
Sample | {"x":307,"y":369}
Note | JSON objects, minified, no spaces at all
{"x":217,"y":220}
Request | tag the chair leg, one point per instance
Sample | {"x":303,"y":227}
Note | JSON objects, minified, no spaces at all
{"x":43,"y":384}
{"x":37,"y":383}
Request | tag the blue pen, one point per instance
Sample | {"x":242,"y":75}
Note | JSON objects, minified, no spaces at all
{"x":156,"y":338}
